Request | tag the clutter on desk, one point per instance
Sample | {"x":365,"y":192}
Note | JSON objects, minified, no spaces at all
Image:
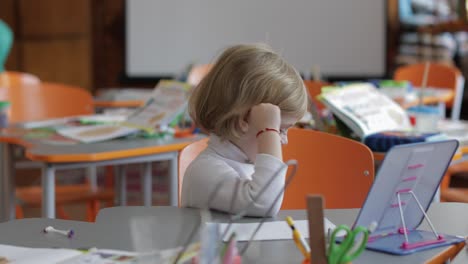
{"x":384,"y":141}
{"x":161,"y":112}
{"x":396,"y":90}
{"x":4,"y":109}
{"x":364,"y":109}
{"x":123,"y":94}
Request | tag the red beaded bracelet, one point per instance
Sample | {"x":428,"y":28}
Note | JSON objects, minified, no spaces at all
{"x":266,"y":130}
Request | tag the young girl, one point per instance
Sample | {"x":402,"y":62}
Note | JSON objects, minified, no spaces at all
{"x":246,"y":102}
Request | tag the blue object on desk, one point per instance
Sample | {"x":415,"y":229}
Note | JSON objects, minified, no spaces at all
{"x":402,"y":192}
{"x":382,"y":142}
{"x":424,"y":109}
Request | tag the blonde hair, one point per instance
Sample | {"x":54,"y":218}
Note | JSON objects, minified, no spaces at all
{"x":242,"y":77}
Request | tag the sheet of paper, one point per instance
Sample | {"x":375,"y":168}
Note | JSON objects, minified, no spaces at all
{"x":89,"y":134}
{"x":104,"y":256}
{"x":23,"y":255}
{"x":276,"y":230}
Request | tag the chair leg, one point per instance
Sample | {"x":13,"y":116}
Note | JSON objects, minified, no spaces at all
{"x":19,"y":212}
{"x":444,"y":185}
{"x":61,"y":212}
{"x":92,"y":209}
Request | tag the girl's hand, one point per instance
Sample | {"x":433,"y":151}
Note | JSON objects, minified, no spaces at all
{"x":265,"y":115}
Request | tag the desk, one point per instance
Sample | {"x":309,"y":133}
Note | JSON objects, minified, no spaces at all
{"x":118,"y":104}
{"x":431,"y":95}
{"x":111,"y":231}
{"x":113,"y":152}
{"x":117,"y":220}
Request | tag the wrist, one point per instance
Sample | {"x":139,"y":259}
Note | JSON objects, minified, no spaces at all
{"x":268,"y":129}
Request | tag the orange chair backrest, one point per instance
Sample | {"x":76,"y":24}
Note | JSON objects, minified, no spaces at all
{"x":46,"y":101}
{"x":12,"y":78}
{"x":314,"y":88}
{"x":187,"y":155}
{"x":197,"y":73}
{"x":340,"y":169}
{"x":439,"y":76}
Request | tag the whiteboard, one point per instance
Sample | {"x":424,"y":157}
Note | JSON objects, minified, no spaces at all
{"x":345,"y":38}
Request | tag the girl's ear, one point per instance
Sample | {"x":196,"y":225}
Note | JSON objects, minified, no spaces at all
{"x":244,"y":122}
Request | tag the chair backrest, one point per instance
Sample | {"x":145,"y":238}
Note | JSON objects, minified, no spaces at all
{"x":186,"y":156}
{"x":439,"y":76}
{"x":340,"y":169}
{"x":197,"y":73}
{"x":314,"y":88}
{"x":46,"y":101}
{"x":12,"y":78}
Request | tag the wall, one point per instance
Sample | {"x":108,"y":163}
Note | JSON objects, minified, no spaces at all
{"x":52,"y":39}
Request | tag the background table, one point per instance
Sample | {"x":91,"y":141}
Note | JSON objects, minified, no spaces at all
{"x":113,"y":152}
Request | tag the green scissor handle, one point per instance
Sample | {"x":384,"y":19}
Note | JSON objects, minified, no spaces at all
{"x":344,"y":252}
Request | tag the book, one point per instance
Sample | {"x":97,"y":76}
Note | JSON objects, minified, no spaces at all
{"x":365,"y":110}
{"x":167,"y":102}
{"x":25,"y":255}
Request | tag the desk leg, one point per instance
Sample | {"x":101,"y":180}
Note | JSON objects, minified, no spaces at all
{"x":48,"y":191}
{"x":147,"y":184}
{"x":122,"y":185}
{"x":174,"y":180}
{"x":7,"y":183}
{"x":92,"y":177}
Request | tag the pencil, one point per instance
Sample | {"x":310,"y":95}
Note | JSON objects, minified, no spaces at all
{"x":298,"y":239}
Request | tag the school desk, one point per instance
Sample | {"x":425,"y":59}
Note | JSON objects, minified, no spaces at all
{"x":169,"y":227}
{"x":118,"y":104}
{"x":431,"y":96}
{"x":63,"y":156}
{"x":448,"y":218}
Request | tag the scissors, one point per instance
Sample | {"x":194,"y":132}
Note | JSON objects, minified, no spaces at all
{"x":347,"y":250}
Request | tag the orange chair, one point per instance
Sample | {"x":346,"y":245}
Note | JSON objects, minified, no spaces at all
{"x":314,"y":88}
{"x":11,"y":78}
{"x":340,"y":169}
{"x":197,"y":73}
{"x":440,"y":76}
{"x":45,"y":101}
{"x":186,"y":156}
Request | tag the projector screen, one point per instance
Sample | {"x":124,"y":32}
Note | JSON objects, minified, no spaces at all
{"x":343,"y":38}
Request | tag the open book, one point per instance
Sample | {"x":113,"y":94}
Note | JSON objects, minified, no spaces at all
{"x":365,"y":110}
{"x":165,"y":104}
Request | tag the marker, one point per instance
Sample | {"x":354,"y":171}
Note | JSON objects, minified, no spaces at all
{"x":67,"y":233}
{"x":298,"y":239}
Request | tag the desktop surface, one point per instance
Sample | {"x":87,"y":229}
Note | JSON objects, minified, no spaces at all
{"x":112,"y":231}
